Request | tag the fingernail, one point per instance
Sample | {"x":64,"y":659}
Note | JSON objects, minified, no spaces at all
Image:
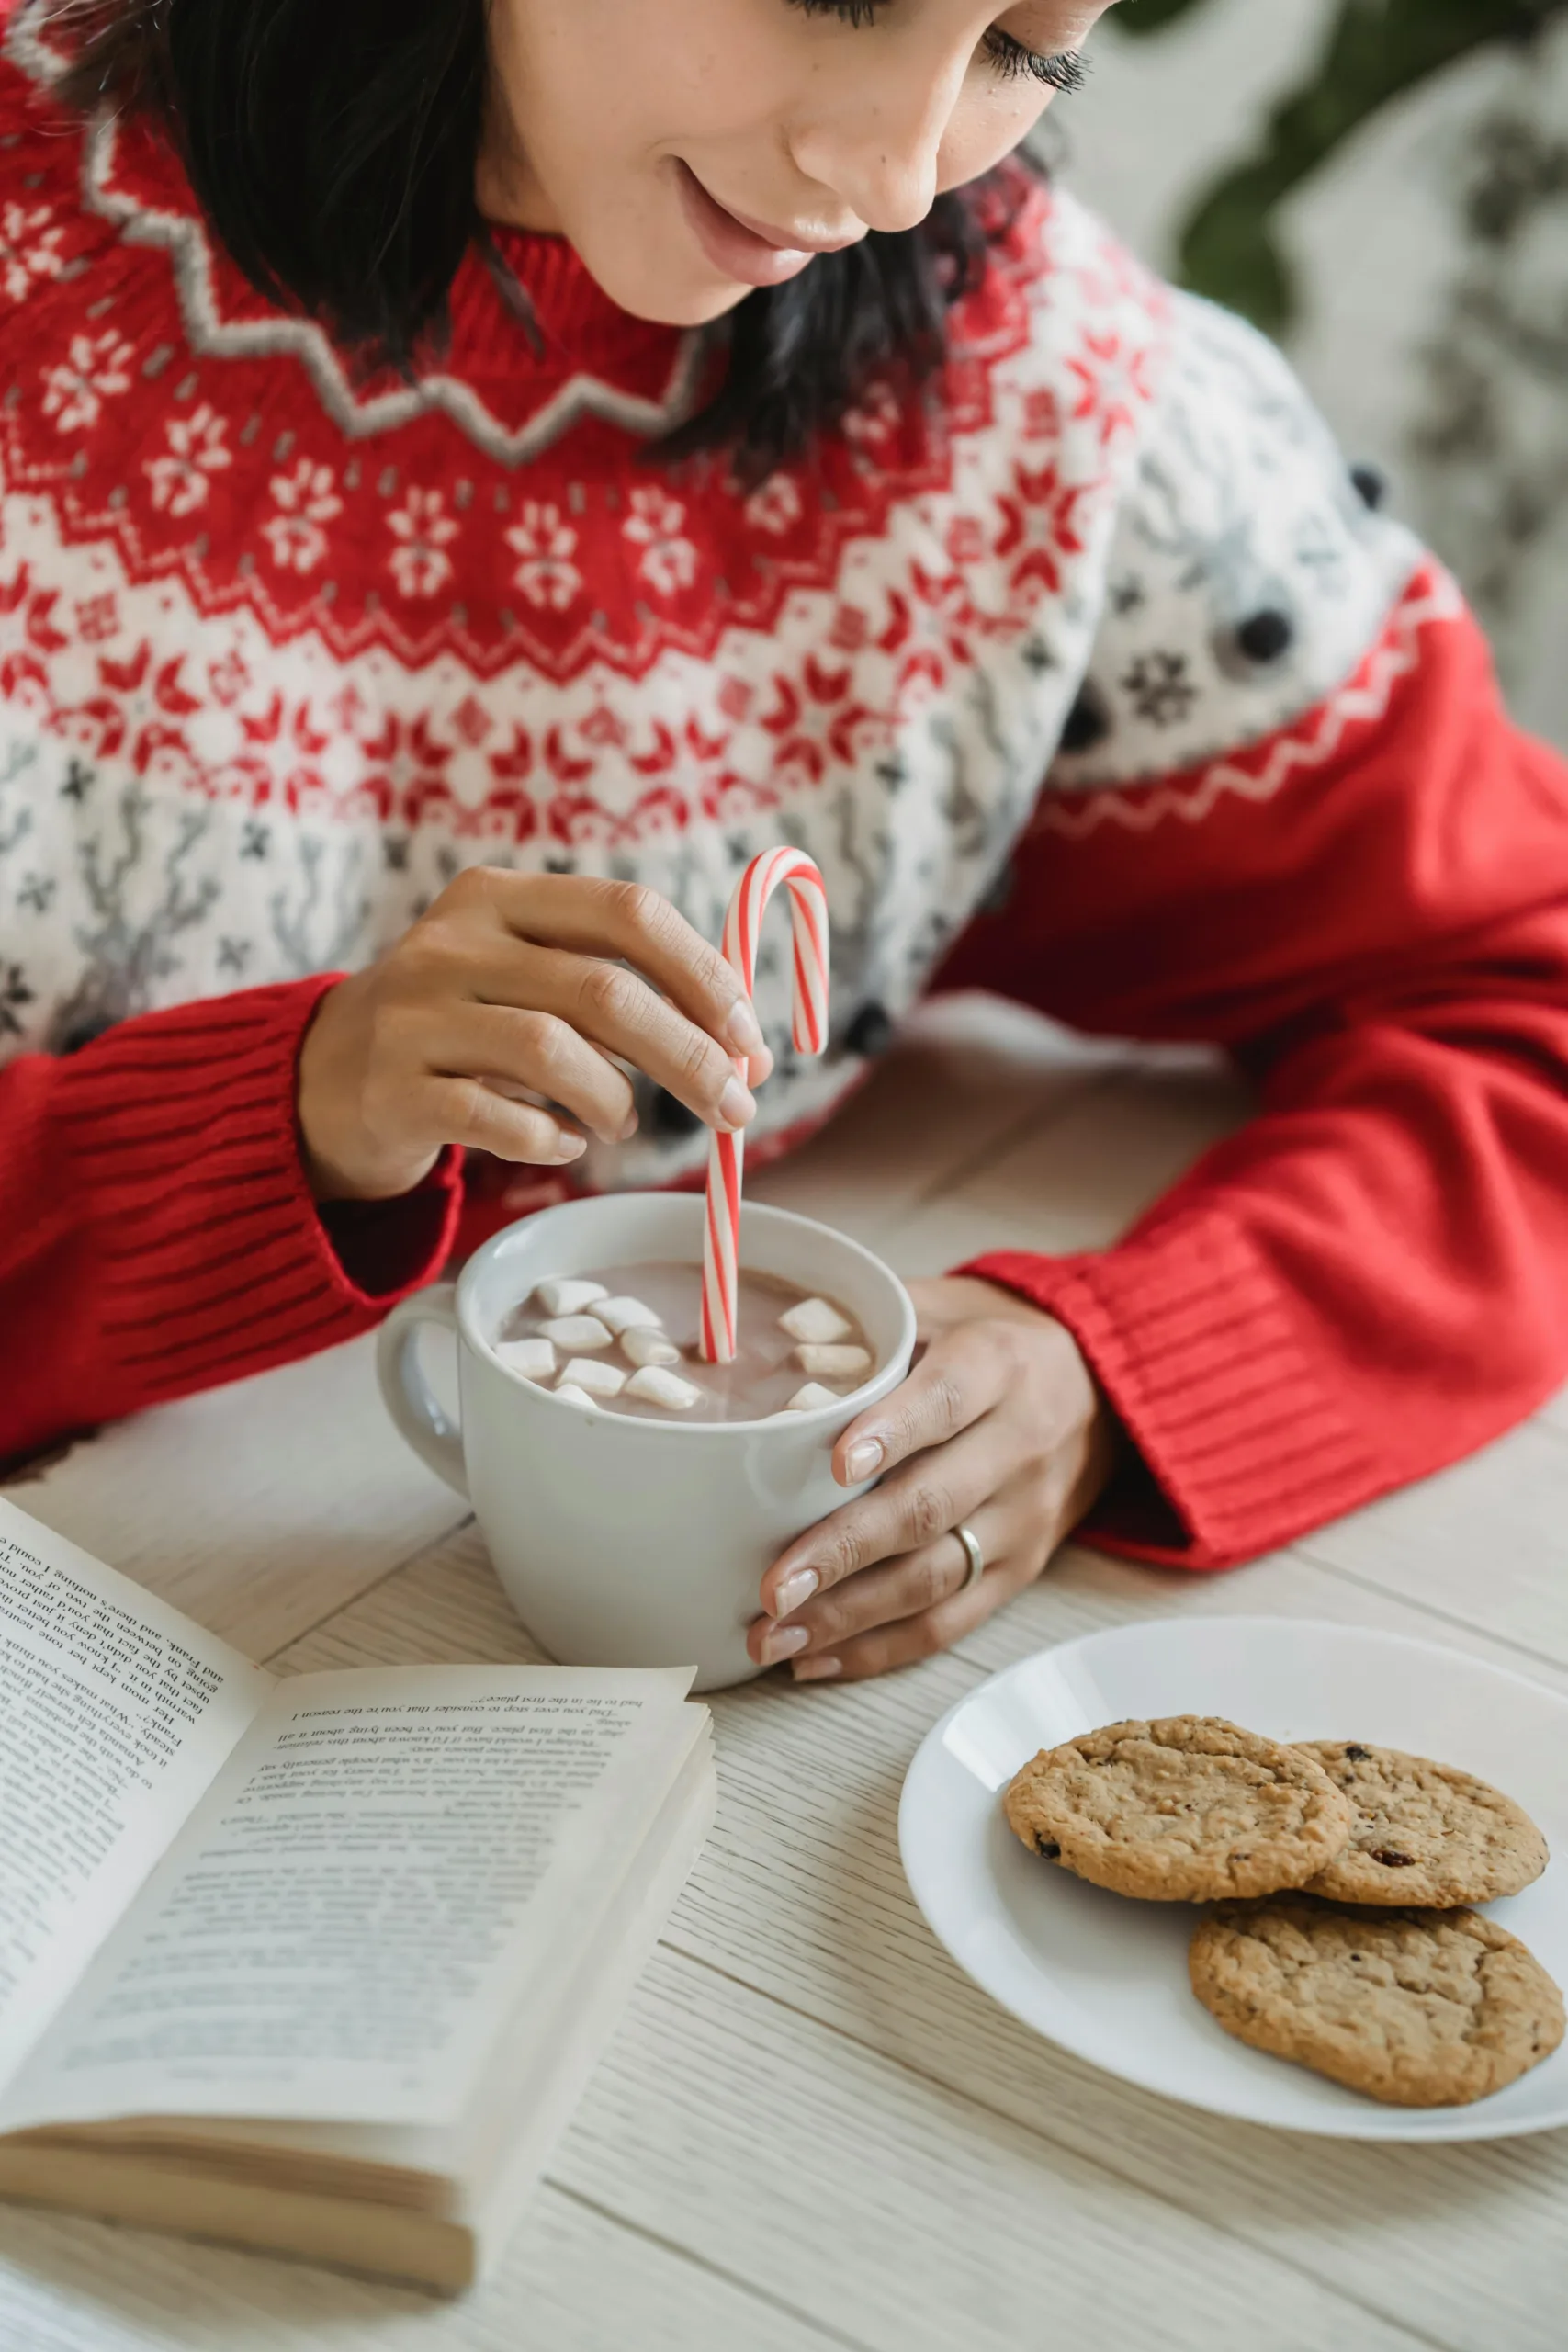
{"x":817,"y":1669}
{"x":798,"y":1586}
{"x":571,"y":1147}
{"x":783,"y":1641}
{"x":864,"y":1459}
{"x":743,"y":1030}
{"x":629,"y":1130}
{"x":736,"y":1104}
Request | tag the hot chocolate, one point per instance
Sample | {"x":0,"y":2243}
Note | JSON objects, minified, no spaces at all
{"x":624,"y":1341}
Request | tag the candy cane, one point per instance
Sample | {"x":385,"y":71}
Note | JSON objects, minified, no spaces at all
{"x":808,"y":910}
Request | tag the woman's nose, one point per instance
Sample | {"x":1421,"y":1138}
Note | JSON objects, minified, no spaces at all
{"x":878,"y":153}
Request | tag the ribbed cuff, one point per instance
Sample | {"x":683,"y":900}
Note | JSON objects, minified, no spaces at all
{"x":178,"y":1152}
{"x":1201,"y":1353}
{"x":387,"y":1247}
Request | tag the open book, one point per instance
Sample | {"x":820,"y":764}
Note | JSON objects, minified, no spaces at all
{"x":320,"y":1964}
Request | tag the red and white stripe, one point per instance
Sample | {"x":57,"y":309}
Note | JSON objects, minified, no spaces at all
{"x":792,"y":869}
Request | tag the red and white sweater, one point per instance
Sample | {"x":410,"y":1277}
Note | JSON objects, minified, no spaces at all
{"x":1106,"y":691}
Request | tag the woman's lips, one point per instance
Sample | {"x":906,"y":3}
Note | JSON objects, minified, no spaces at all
{"x":737,"y":249}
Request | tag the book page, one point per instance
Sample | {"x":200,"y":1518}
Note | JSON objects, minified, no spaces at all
{"x":115,"y":1715}
{"x":387,"y":1860}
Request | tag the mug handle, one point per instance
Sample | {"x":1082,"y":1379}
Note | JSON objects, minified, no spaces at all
{"x":405,"y":1391}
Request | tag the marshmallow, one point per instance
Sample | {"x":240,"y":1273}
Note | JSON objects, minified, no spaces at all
{"x":655,"y":1385}
{"x":593,"y":1378}
{"x":569,"y":1394}
{"x":569,"y":1332}
{"x":567,"y":1295}
{"x":817,"y":1320}
{"x":619,"y":1315}
{"x":534,"y":1359}
{"x":834,"y":1363}
{"x":811,"y":1398}
{"x":645,"y":1346}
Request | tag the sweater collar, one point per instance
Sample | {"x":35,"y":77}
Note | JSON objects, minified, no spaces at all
{"x":514,"y":375}
{"x":579,"y":327}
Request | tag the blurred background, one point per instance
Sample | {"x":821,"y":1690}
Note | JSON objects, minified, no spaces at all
{"x":1383,"y":186}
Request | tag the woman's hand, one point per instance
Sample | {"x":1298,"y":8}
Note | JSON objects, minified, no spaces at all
{"x":999,"y":1427}
{"x":517,"y":984}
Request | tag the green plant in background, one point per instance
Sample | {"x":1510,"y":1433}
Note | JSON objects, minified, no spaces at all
{"x":1375,"y":51}
{"x":1490,"y":441}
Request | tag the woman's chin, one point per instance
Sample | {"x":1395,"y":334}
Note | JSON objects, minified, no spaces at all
{"x":693,"y":295}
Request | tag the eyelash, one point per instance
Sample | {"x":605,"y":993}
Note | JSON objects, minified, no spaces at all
{"x":1009,"y":58}
{"x":1065,"y":71}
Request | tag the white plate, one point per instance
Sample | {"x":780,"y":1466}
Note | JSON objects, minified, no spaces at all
{"x":1107,"y":1978}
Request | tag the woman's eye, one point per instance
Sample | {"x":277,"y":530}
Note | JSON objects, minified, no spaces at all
{"x":1009,"y":58}
{"x":1065,"y":71}
{"x":855,"y":13}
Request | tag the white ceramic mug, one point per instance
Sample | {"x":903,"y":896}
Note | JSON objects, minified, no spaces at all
{"x":620,"y":1540}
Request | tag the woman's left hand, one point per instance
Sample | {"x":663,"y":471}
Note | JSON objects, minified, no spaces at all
{"x":999,"y":1428}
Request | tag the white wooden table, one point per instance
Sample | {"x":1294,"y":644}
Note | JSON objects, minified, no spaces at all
{"x":811,"y":2129}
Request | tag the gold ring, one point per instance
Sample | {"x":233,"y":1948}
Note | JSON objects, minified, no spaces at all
{"x":973,"y":1555}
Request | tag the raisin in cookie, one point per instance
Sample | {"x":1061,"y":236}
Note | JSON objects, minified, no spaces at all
{"x":1183,"y":1810}
{"x":1425,"y":1833}
{"x":1417,"y":2009}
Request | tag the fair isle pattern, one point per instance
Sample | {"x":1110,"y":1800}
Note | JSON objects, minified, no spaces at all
{"x":1247,"y":577}
{"x":1262,"y":771}
{"x":203,"y":786}
{"x":420,"y":530}
{"x":355,"y":411}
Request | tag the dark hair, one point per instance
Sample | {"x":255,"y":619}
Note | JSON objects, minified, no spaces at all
{"x":333,"y":145}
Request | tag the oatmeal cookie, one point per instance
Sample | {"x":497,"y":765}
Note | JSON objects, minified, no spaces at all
{"x":1183,"y":1810}
{"x":1417,"y":2009}
{"x":1426,"y":1834}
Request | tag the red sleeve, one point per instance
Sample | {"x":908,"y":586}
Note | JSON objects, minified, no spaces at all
{"x":156,"y":1231}
{"x":1370,"y":1279}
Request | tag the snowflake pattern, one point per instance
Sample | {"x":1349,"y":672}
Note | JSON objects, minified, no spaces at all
{"x":1114,"y":386}
{"x":182,"y":477}
{"x":873,"y":424}
{"x":407,"y":764}
{"x":424,"y":530}
{"x":669,"y":559}
{"x":229,"y":676}
{"x":1041,"y":414}
{"x":76,"y":388}
{"x":777,"y":507}
{"x":1159,"y":689}
{"x":97,"y":618}
{"x":471,"y":721}
{"x":305,"y":499}
{"x":30,"y":249}
{"x":547,"y":575}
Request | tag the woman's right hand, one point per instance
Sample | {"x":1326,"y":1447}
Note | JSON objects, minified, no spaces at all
{"x":518,"y":980}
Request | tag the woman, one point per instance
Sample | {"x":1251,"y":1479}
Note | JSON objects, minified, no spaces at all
{"x":472,"y":477}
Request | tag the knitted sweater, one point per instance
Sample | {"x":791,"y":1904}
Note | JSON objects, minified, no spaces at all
{"x":1100,"y":685}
